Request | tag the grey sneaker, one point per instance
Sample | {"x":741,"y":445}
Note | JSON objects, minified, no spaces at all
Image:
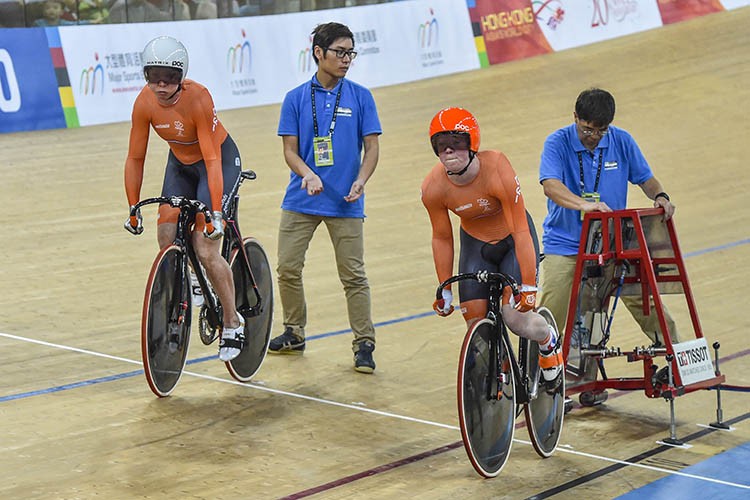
{"x":363,"y":361}
{"x":287,"y":343}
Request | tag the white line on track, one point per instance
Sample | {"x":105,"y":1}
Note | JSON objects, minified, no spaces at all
{"x":561,"y":448}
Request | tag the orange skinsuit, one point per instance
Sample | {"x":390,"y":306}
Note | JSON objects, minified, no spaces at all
{"x":192,"y":130}
{"x":490,"y":207}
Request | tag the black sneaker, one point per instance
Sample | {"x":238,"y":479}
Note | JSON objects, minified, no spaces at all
{"x":363,"y":361}
{"x":287,"y":343}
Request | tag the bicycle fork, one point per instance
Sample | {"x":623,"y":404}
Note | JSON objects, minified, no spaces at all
{"x":499,"y":369}
{"x":213,"y":308}
{"x":248,"y":279}
{"x":180,"y":310}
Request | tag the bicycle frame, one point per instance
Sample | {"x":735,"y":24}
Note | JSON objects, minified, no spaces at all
{"x":496,"y":282}
{"x":232,"y":240}
{"x":518,"y":365}
{"x":167,"y":311}
{"x":495,"y":384}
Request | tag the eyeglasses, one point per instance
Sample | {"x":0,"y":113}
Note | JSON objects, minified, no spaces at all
{"x":591,"y":131}
{"x":169,"y":76}
{"x":341,"y":53}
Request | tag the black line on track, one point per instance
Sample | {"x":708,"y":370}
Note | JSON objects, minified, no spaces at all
{"x":632,"y":460}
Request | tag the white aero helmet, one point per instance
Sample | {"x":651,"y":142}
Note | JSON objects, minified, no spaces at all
{"x":166,"y":52}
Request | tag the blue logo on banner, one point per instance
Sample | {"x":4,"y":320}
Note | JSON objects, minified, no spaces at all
{"x":29,"y":96}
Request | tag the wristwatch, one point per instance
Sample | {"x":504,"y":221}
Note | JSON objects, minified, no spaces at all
{"x":663,"y":195}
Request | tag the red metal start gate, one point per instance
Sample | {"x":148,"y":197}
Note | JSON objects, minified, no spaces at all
{"x":628,"y":255}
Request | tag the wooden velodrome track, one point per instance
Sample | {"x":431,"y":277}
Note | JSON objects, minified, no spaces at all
{"x":77,"y":419}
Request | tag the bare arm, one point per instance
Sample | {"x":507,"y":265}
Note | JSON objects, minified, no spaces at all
{"x":651,"y":188}
{"x":310,"y":179}
{"x":369,"y":162}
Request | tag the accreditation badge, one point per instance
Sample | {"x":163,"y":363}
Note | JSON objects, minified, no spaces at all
{"x":590,"y":197}
{"x":323,"y":151}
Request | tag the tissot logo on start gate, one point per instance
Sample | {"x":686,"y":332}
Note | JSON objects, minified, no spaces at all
{"x":693,"y":361}
{"x":692,"y":356}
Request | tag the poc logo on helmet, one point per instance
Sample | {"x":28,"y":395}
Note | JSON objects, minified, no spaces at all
{"x":177,"y":63}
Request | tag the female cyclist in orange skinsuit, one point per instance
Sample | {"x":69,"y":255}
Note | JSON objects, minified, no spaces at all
{"x":203,"y":164}
{"x":497,"y":233}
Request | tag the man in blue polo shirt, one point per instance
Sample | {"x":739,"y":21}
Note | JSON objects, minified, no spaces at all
{"x":586,"y":167}
{"x":325,"y":124}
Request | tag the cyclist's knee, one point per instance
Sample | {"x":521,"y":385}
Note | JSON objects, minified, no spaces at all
{"x":473,"y":311}
{"x":516,"y":321}
{"x":207,"y":250}
{"x":165,"y":234}
{"x":529,"y":324}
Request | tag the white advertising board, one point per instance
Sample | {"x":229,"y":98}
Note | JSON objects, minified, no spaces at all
{"x":734,"y":4}
{"x":694,"y":361}
{"x":572,"y":23}
{"x":252,"y":61}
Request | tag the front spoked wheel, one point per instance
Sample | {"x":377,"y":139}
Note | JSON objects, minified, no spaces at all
{"x":258,"y":317}
{"x":165,"y":324}
{"x":546,"y":408}
{"x":486,"y":398}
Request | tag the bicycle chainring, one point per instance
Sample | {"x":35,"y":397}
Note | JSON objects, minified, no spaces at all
{"x":208,"y":335}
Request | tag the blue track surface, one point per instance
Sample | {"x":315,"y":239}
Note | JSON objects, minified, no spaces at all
{"x":732,"y":466}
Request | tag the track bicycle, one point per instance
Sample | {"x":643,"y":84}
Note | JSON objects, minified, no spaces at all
{"x":167,"y":308}
{"x":495,"y":385}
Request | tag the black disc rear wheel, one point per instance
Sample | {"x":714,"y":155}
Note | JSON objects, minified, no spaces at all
{"x":258,"y":317}
{"x":486,"y":399}
{"x":546,"y":408}
{"x":165,"y":324}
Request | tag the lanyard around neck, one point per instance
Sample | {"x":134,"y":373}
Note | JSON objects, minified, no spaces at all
{"x":598,"y":170}
{"x":315,"y":112}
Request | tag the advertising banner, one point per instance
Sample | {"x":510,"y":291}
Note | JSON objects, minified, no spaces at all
{"x":509,"y":29}
{"x":396,"y":42}
{"x":250,"y":61}
{"x":573,"y":23}
{"x":694,"y":361}
{"x":29,"y":97}
{"x":735,"y":4}
{"x":674,"y":11}
{"x":87,"y":75}
{"x":104,"y":67}
{"x":237,"y":59}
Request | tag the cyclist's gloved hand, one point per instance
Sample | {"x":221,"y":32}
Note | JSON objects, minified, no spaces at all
{"x":524,"y":301}
{"x":134,"y":225}
{"x":527,"y":299}
{"x":443,"y":306}
{"x":216,"y":230}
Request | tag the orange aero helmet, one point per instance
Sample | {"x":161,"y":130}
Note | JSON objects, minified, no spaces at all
{"x":455,"y":121}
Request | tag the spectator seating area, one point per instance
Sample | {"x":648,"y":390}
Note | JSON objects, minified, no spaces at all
{"x":34,"y":13}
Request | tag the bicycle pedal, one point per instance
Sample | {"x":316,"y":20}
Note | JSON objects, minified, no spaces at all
{"x":551,"y":386}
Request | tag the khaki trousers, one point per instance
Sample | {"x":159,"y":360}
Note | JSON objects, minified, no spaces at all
{"x":295,"y":232}
{"x":556,"y":273}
